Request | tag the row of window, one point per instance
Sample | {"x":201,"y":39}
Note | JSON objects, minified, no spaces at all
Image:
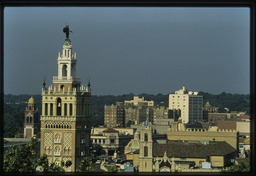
{"x":58,"y":109}
{"x":57,"y":126}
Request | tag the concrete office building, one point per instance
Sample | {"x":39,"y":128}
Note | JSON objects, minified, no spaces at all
{"x":190,"y":104}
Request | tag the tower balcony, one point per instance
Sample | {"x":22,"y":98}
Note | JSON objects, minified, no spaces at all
{"x":65,"y":79}
{"x":57,"y":118}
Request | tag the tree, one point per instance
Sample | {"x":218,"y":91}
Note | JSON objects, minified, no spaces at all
{"x":86,"y":165}
{"x":21,"y":158}
{"x":97,"y":148}
{"x":243,"y":166}
{"x":24,"y":159}
{"x":112,"y":169}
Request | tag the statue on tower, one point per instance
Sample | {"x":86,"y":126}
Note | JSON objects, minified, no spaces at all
{"x":66,"y":31}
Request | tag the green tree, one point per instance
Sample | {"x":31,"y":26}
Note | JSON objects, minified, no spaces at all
{"x":112,"y":169}
{"x":25,"y":159}
{"x":243,"y":166}
{"x":21,"y":158}
{"x":97,"y":149}
{"x":52,"y":167}
{"x":86,"y":165}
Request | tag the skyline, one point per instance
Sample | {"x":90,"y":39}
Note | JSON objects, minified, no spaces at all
{"x":130,"y":50}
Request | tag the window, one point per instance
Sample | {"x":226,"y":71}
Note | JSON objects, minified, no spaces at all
{"x":65,"y":109}
{"x":51,"y":109}
{"x":59,"y":106}
{"x":146,"y":137}
{"x":46,"y":109}
{"x":145,"y":151}
{"x":70,"y":109}
{"x":64,"y":70}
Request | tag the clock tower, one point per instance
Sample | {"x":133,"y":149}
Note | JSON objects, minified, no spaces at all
{"x":65,"y":119}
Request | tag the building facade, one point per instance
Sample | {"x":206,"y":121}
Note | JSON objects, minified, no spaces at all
{"x":31,"y":121}
{"x":190,"y":104}
{"x":135,"y":111}
{"x":114,"y":115}
{"x":65,"y":119}
{"x":138,"y":110}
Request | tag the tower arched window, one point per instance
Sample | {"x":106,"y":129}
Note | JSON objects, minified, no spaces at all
{"x":51,"y":109}
{"x":46,"y":108}
{"x":70,"y":109}
{"x":64,"y":70}
{"x":145,"y":151}
{"x":146,"y":137}
{"x":59,"y":106}
{"x":65,"y":109}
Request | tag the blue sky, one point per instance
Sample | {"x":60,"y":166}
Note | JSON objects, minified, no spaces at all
{"x":130,"y":49}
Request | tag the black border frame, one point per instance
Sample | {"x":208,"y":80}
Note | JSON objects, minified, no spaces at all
{"x":251,"y":4}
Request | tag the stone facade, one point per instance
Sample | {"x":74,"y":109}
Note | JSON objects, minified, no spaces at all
{"x":65,"y":119}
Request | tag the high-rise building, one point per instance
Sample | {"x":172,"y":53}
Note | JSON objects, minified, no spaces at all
{"x":114,"y":115}
{"x":31,"y":121}
{"x":190,"y":104}
{"x":65,"y":119}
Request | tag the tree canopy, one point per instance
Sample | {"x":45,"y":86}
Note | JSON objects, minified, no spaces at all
{"x":25,"y":159}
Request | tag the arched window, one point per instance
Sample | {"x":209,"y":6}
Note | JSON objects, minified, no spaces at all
{"x":146,"y":137}
{"x":64,"y":70}
{"x":145,"y":151}
{"x":46,"y":109}
{"x":27,"y":120}
{"x":65,"y":109}
{"x":70,"y":109}
{"x":51,"y":109}
{"x":59,"y":106}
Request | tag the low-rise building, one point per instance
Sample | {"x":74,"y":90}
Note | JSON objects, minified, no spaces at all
{"x":177,"y":155}
{"x":112,"y":139}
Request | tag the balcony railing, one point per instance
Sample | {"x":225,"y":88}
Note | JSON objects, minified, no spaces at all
{"x":57,"y":141}
{"x":56,"y":153}
{"x":64,"y":78}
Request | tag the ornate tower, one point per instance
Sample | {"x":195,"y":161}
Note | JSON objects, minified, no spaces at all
{"x":31,"y":121}
{"x":146,"y":142}
{"x":65,"y":119}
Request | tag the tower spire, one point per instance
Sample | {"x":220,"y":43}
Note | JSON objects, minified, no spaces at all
{"x":44,"y":84}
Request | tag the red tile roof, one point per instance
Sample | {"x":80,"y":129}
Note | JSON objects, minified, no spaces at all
{"x":110,"y":130}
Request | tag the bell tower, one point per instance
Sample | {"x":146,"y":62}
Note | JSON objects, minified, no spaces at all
{"x":146,"y":142}
{"x":65,"y":119}
{"x":66,"y":79}
{"x":31,"y":121}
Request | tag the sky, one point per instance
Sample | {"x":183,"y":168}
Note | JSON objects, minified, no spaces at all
{"x":126,"y":50}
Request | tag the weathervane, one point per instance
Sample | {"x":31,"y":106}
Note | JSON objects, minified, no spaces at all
{"x":66,"y":31}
